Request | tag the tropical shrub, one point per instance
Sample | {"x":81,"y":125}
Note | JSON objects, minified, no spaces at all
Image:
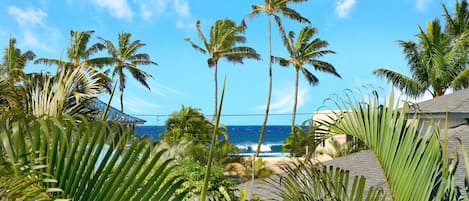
{"x":80,"y":160}
{"x":194,"y":173}
{"x":299,"y":140}
{"x":260,"y":170}
{"x":187,"y":124}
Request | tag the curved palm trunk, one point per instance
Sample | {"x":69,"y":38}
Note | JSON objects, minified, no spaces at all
{"x":269,"y":95}
{"x":295,"y":101}
{"x":215,"y":78}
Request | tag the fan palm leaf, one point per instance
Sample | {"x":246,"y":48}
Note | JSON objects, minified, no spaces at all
{"x":91,"y":160}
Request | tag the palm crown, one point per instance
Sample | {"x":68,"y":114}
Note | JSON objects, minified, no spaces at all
{"x":436,"y":63}
{"x":127,"y":56}
{"x":222,"y":43}
{"x":305,"y":51}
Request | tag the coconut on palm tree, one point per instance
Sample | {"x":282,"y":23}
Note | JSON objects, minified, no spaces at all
{"x":304,"y":52}
{"x":223,"y":42}
{"x":271,"y":8}
{"x":434,"y":62}
{"x":127,"y":56}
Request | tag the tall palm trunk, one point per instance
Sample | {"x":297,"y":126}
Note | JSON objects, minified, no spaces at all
{"x":269,"y":95}
{"x":295,"y":101}
{"x":215,"y":78}
{"x":122,"y":100}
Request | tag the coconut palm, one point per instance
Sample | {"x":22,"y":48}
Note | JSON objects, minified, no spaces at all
{"x":126,"y":56}
{"x":459,"y":23}
{"x":271,"y":8}
{"x":305,"y":51}
{"x":434,"y":62}
{"x":14,"y":62}
{"x":78,"y":52}
{"x":223,"y":42}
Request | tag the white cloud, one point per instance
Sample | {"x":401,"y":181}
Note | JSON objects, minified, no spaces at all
{"x":146,"y":13}
{"x":181,"y":8}
{"x":117,"y":8}
{"x":27,"y":16}
{"x":138,"y":105}
{"x":282,"y":100}
{"x":343,"y":7}
{"x":423,"y":4}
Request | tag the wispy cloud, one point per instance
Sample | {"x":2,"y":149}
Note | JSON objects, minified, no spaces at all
{"x":177,"y":9}
{"x":423,"y":4}
{"x":117,"y":8}
{"x":343,"y":8}
{"x":139,"y":105}
{"x":28,"y":16}
{"x":282,"y":100}
{"x":37,"y":34}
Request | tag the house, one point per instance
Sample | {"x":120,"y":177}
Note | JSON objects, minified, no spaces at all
{"x":116,"y":115}
{"x":457,"y":105}
{"x":365,"y":164}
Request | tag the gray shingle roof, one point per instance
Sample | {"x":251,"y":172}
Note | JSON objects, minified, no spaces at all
{"x":364,"y":163}
{"x":115,"y":115}
{"x":457,"y":104}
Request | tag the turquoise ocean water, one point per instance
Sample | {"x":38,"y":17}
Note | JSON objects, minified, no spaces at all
{"x":243,"y":137}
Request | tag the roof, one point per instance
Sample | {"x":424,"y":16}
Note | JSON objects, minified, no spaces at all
{"x":364,"y":163}
{"x":456,"y":103}
{"x":115,"y":115}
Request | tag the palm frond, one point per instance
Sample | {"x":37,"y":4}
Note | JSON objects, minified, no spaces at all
{"x":409,"y":153}
{"x":293,"y":15}
{"x":406,"y":84}
{"x":304,"y":180}
{"x":462,"y":80}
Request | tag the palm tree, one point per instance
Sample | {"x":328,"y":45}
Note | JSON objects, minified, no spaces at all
{"x":305,"y":51}
{"x":270,"y":8}
{"x":14,"y":62}
{"x":126,"y":56}
{"x":459,"y":23}
{"x":222,"y":43}
{"x":78,"y":52}
{"x":434,"y":62}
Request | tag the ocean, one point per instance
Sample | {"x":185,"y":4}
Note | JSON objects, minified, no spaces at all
{"x":243,"y":137}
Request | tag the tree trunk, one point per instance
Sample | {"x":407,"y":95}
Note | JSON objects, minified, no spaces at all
{"x":269,"y":95}
{"x":295,"y":101}
{"x":215,"y":78}
{"x":122,"y":100}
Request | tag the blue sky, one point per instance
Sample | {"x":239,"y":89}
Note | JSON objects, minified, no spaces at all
{"x":363,"y":33}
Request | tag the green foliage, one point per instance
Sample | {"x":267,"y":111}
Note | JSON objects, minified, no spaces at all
{"x":342,"y":149}
{"x":199,"y":152}
{"x":88,"y":160}
{"x":438,"y":61}
{"x":304,"y":180}
{"x":302,"y":52}
{"x":14,"y":62}
{"x":194,"y":174}
{"x":126,"y":56}
{"x":260,"y":170}
{"x":188,"y":124}
{"x":298,"y":140}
